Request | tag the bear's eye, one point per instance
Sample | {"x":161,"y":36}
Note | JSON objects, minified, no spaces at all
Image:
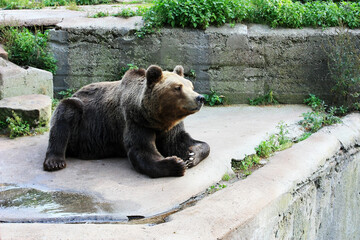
{"x":178,"y":88}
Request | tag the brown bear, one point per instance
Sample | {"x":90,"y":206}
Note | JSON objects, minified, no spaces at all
{"x":139,"y":117}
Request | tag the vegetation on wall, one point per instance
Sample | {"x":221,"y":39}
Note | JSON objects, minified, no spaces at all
{"x":344,"y":67}
{"x":286,"y":13}
{"x":26,"y":48}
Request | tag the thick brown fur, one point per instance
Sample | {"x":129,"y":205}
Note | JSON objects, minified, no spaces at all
{"x":139,"y":117}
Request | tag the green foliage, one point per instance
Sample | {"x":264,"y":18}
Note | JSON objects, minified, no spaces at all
{"x":267,"y":99}
{"x":313,"y":121}
{"x":17,"y":127}
{"x":215,"y":188}
{"x":129,"y":66}
{"x":304,"y":136}
{"x":100,"y":15}
{"x":28,"y":49}
{"x":128,"y":12}
{"x":213,"y":98}
{"x":315,"y":103}
{"x":226,"y":177}
{"x":344,"y":66}
{"x":284,"y":13}
{"x":67,"y":93}
{"x":245,"y":164}
{"x":276,"y":142}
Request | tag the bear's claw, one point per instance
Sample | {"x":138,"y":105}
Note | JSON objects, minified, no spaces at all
{"x":54,"y":164}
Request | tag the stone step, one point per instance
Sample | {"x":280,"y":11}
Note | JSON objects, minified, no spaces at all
{"x":33,"y":108}
{"x":17,"y":81}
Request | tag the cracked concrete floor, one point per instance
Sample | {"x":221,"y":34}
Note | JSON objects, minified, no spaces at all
{"x":110,"y":189}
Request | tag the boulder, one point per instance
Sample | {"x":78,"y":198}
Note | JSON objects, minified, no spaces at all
{"x":17,"y":81}
{"x":33,"y":108}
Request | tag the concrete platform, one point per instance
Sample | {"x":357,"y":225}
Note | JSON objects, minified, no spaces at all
{"x":110,"y":189}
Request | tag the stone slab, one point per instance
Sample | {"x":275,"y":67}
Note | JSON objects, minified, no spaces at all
{"x":51,"y":16}
{"x":31,"y":108}
{"x":230,"y":131}
{"x":17,"y":81}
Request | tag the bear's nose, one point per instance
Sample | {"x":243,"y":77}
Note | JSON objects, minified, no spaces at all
{"x":200,"y":99}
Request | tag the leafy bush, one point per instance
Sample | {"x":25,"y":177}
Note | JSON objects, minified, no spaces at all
{"x":28,"y":49}
{"x":344,"y":66}
{"x":285,"y":13}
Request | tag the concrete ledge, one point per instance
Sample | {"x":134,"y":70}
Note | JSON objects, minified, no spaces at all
{"x":31,"y":108}
{"x":310,"y":191}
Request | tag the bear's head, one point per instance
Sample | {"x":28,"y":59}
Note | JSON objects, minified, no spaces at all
{"x":170,"y":95}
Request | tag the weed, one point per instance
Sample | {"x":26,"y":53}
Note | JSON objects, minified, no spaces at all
{"x":100,"y":15}
{"x":315,"y":103}
{"x":304,"y":136}
{"x":67,"y":93}
{"x":214,"y":98}
{"x":313,"y":121}
{"x":28,"y":49}
{"x":267,"y":99}
{"x":72,"y":6}
{"x":215,"y":188}
{"x":128,"y":12}
{"x":129,"y":66}
{"x":245,"y":164}
{"x":226,"y":177}
{"x":266,"y":148}
{"x":17,"y":127}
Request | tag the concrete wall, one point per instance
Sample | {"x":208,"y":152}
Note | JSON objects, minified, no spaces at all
{"x":239,"y":62}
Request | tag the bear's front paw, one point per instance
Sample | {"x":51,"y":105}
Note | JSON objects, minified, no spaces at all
{"x":176,"y":166}
{"x":54,"y":163}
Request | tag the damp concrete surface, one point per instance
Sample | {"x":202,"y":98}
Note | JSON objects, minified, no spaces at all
{"x":110,"y":190}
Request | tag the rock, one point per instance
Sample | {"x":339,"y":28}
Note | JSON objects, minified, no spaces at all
{"x":3,"y":53}
{"x":17,"y":81}
{"x":31,"y":108}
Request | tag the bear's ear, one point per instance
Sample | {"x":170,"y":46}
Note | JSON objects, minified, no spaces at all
{"x":179,"y":70}
{"x":153,"y":74}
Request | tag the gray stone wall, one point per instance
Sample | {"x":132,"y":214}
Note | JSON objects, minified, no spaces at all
{"x":239,"y":62}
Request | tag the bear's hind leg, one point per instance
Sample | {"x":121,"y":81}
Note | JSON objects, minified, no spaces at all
{"x":197,"y":152}
{"x":65,"y":119}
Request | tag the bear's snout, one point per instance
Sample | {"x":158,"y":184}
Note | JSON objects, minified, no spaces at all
{"x":200,"y":99}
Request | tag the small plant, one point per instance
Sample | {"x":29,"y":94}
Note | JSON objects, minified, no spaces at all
{"x":128,"y":12}
{"x":129,"y":66}
{"x":267,"y":99}
{"x":226,"y":177}
{"x":17,"y":127}
{"x":72,"y":6}
{"x":304,"y":136}
{"x":28,"y":49}
{"x":266,"y":148}
{"x":67,"y":93}
{"x":213,"y":98}
{"x":215,"y":188}
{"x":245,"y":164}
{"x":315,"y":103}
{"x":100,"y":15}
